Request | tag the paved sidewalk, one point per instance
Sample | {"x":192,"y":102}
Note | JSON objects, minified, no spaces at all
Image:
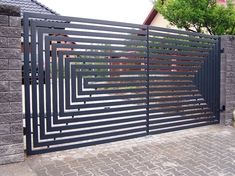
{"x":201,"y":151}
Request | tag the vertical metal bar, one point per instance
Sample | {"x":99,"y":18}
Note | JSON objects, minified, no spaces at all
{"x":61,"y":73}
{"x":73,"y":83}
{"x":147,"y":112}
{"x":206,"y":81}
{"x":213,"y":78}
{"x":210,"y":87}
{"x":200,"y":79}
{"x":48,"y":82}
{"x":34,"y":82}
{"x":41,"y":82}
{"x":54,"y":83}
{"x":195,"y":79}
{"x":66,"y":80}
{"x":27,"y":84}
{"x":203,"y":79}
{"x":218,"y":79}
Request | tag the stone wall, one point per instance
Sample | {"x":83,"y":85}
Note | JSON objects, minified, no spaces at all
{"x":228,"y":78}
{"x":11,"y":128}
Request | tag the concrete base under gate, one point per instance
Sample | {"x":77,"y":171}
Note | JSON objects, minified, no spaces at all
{"x":200,"y":151}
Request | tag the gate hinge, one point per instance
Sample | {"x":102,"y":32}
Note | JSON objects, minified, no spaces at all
{"x":24,"y":131}
{"x":222,"y":109}
{"x":222,"y":50}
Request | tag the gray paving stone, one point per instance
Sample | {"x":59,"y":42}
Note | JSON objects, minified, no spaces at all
{"x":72,"y":174}
{"x":81,"y":170}
{"x":195,"y":152}
{"x":111,"y":172}
{"x":125,"y":173}
{"x":131,"y":169}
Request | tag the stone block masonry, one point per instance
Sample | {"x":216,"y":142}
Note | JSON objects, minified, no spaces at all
{"x":228,"y":78}
{"x":11,"y":126}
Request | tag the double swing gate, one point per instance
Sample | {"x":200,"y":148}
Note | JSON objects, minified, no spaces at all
{"x":92,"y":81}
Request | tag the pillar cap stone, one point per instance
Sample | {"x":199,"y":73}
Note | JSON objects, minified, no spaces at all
{"x":9,"y":10}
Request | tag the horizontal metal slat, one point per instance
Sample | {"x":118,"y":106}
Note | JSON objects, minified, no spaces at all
{"x":104,"y":110}
{"x":115,"y":79}
{"x":97,"y":130}
{"x":98,"y":47}
{"x":174,"y":98}
{"x":90,"y":27}
{"x":97,"y":124}
{"x":98,"y":136}
{"x":182,"y":32}
{"x":116,"y":85}
{"x":176,"y":104}
{"x":108,"y":104}
{"x":180,"y":42}
{"x":176,"y":57}
{"x":90,"y":34}
{"x":172,"y":88}
{"x":176,"y":52}
{"x":111,"y":54}
{"x":180,"y":113}
{"x":153,"y":72}
{"x":84,"y":66}
{"x":187,"y":48}
{"x":97,"y":41}
{"x":135,"y":90}
{"x":88,"y":143}
{"x":170,"y":83}
{"x":182,"y":127}
{"x":174,"y":67}
{"x":66,"y":19}
{"x":170,"y":78}
{"x":119,"y":73}
{"x":176,"y":62}
{"x":110,"y":116}
{"x":181,"y":119}
{"x":87,"y":61}
{"x":112,"y":97}
{"x":180,"y":123}
{"x":181,"y":37}
{"x":173,"y":93}
{"x":135,"y":84}
{"x":173,"y":109}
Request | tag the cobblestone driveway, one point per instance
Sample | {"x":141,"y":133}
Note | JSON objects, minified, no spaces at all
{"x":200,"y":151}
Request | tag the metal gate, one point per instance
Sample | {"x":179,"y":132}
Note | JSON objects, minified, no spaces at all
{"x":92,"y":81}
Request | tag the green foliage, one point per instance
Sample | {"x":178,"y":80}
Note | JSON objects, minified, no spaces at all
{"x":203,"y":16}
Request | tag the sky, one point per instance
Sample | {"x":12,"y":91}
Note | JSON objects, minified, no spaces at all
{"x":132,"y":11}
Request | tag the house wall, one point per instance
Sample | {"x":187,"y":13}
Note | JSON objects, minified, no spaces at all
{"x":223,"y":2}
{"x":160,"y":21}
{"x":11,"y":127}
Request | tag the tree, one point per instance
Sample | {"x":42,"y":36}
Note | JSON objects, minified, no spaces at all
{"x":204,"y":16}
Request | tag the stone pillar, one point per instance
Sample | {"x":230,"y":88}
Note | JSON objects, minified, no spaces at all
{"x":11,"y":126}
{"x":228,"y":78}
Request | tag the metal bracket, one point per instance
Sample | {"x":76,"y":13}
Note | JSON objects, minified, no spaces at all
{"x":222,"y":109}
{"x":222,"y":50}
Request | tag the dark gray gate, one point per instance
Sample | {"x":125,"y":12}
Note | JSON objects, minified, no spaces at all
{"x":92,"y":81}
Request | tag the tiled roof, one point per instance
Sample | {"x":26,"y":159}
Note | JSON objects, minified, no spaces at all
{"x":32,"y":6}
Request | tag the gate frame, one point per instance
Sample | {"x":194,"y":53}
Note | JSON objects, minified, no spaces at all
{"x":27,"y":83}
